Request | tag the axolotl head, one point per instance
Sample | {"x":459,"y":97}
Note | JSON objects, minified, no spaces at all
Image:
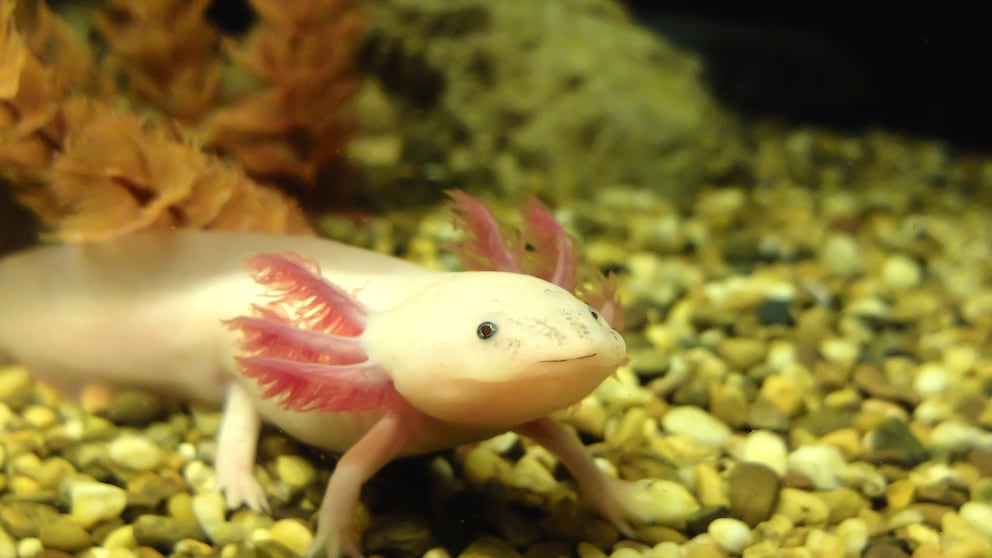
{"x":493,"y":349}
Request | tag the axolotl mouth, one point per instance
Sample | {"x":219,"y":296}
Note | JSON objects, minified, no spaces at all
{"x":551,"y":360}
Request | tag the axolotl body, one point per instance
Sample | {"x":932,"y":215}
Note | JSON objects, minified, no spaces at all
{"x":343,"y":348}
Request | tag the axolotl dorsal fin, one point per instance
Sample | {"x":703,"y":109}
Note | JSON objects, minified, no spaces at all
{"x":304,"y":345}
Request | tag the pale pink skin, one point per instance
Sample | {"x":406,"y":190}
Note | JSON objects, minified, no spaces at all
{"x":148,"y":311}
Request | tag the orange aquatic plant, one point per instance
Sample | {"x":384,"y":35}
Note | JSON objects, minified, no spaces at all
{"x":91,"y":171}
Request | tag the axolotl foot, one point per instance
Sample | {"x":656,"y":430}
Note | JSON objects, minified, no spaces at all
{"x":236,"y":444}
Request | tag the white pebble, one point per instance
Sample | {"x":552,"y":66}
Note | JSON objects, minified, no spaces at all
{"x":92,"y":502}
{"x":767,"y":448}
{"x":696,"y":424}
{"x":955,"y":435}
{"x":29,"y":547}
{"x":978,"y":515}
{"x":663,"y":502}
{"x":841,"y":255}
{"x":210,"y":511}
{"x":731,"y":534}
{"x":822,"y":465}
{"x":840,"y":351}
{"x":854,"y":532}
{"x":931,"y":379}
{"x":293,"y":534}
{"x":135,"y":452}
{"x":901,"y":272}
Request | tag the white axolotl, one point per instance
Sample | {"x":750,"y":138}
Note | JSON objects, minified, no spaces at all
{"x":343,"y":348}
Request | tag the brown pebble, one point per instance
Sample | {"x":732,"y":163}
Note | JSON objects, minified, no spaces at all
{"x":829,"y":376}
{"x":872,"y":380}
{"x":753,"y":490}
{"x":945,"y":492}
{"x":730,"y":405}
{"x":489,"y":547}
{"x":971,"y":408}
{"x":399,"y":536}
{"x":981,"y":460}
{"x":798,"y":481}
{"x":885,"y":550}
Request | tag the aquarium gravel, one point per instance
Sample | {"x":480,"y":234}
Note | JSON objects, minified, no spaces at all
{"x":809,"y":376}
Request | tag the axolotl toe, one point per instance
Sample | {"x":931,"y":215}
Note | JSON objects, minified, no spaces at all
{"x":343,"y":348}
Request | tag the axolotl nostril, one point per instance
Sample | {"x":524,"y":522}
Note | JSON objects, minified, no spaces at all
{"x":343,"y":348}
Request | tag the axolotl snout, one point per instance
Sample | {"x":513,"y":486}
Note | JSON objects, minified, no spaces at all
{"x":343,"y":348}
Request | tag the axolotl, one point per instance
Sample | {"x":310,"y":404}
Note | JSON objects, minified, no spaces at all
{"x":343,"y":348}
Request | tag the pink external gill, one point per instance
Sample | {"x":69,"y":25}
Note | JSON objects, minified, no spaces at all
{"x":304,"y":345}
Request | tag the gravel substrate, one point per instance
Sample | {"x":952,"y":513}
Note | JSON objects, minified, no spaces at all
{"x":809,"y":377}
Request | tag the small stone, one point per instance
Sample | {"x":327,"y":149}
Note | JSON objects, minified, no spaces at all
{"x":753,"y":491}
{"x":854,"y":532}
{"x":767,"y":448}
{"x":92,"y":502}
{"x":163,"y":533}
{"x":901,"y":273}
{"x":947,"y":491}
{"x":840,"y":255}
{"x":150,"y":489}
{"x":696,"y":424}
{"x":133,"y":408}
{"x":931,"y":379}
{"x":729,"y":405}
{"x":741,"y":353}
{"x":775,"y":311}
{"x":844,"y":503}
{"x":40,"y":416}
{"x":210,"y":511}
{"x":295,"y":470}
{"x":23,"y":519}
{"x":135,"y":453}
{"x":955,"y":435}
{"x":803,"y":507}
{"x":900,"y":494}
{"x":64,"y":535}
{"x":663,"y":502}
{"x":822,"y":465}
{"x":731,"y":534}
{"x":892,"y":442}
{"x":783,"y":393}
{"x":293,"y":534}
{"x":979,"y":516}
{"x":823,"y":421}
{"x":489,"y":547}
{"x":885,"y":550}
{"x":870,"y":379}
{"x":16,"y":387}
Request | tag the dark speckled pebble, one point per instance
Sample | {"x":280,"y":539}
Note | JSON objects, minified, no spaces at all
{"x":24,"y":519}
{"x":775,"y":311}
{"x":892,"y":442}
{"x":163,"y":533}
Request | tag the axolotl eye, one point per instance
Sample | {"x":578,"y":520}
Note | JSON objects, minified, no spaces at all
{"x":486,"y":330}
{"x":595,"y":314}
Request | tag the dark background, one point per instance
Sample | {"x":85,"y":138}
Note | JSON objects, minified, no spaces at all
{"x":916,"y":67}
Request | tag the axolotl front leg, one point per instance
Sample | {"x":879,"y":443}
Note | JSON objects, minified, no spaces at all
{"x":237,"y":441}
{"x":311,"y":350}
